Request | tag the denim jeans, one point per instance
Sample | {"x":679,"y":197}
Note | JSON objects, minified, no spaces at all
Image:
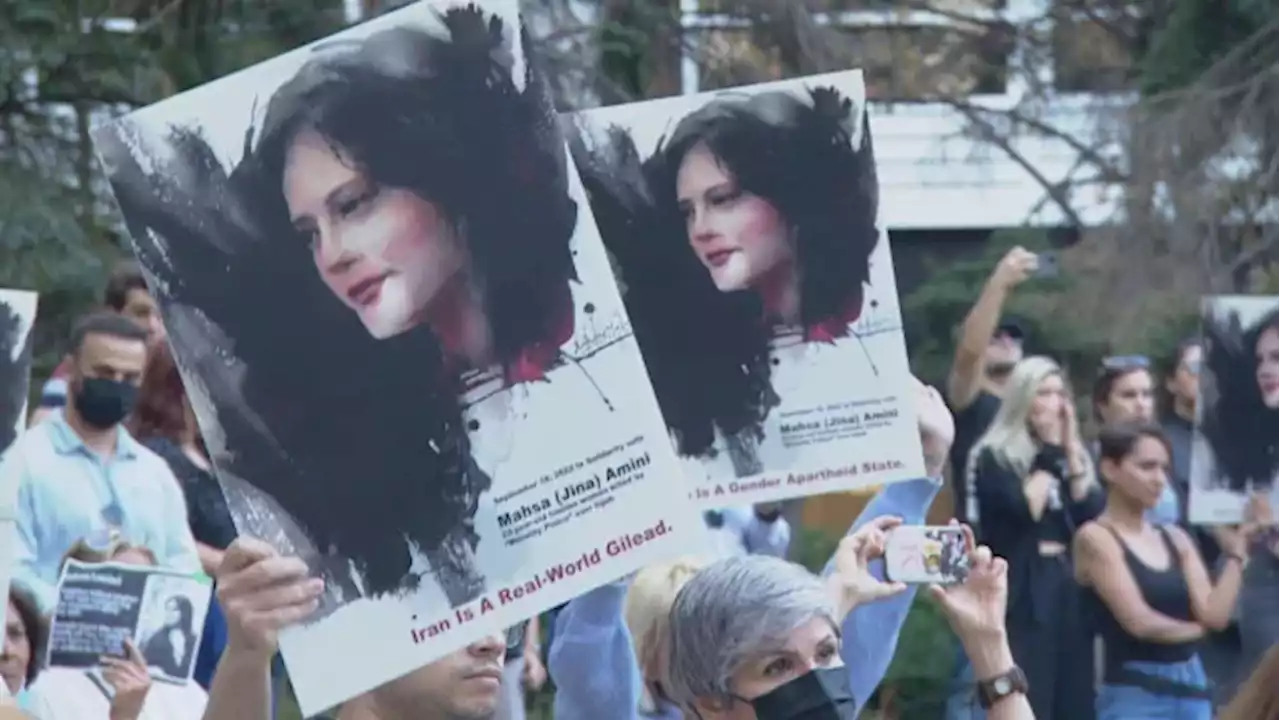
{"x":1125,"y":702}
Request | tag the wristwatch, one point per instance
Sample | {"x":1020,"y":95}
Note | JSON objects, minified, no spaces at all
{"x":1010,"y":682}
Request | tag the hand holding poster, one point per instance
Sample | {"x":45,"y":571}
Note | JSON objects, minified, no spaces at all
{"x":401,"y":337}
{"x":100,"y":606}
{"x":1234,"y":454}
{"x":743,"y":229}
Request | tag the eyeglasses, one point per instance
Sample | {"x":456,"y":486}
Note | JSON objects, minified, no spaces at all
{"x":1125,"y":363}
{"x":1192,"y":366}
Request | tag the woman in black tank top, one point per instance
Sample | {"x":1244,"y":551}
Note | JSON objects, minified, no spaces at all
{"x":1154,"y":599}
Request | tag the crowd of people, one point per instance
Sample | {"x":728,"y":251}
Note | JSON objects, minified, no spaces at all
{"x":1117,"y":605}
{"x":1077,"y":543}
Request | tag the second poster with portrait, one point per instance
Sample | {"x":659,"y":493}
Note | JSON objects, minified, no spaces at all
{"x":743,"y":229}
{"x":1233,"y":454}
{"x":401,"y":337}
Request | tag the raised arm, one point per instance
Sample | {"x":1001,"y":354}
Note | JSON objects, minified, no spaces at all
{"x":965,"y":379}
{"x":1099,"y":564}
{"x":870,"y":632}
{"x":592,"y":658}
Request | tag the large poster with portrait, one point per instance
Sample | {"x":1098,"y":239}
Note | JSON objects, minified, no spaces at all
{"x":401,"y":336}
{"x":743,"y":229}
{"x":1234,"y":452}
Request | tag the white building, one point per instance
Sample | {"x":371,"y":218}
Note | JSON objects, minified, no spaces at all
{"x":936,"y":173}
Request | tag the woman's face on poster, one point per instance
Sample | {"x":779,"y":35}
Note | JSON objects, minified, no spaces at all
{"x":738,"y":237}
{"x":1268,"y":367}
{"x":384,"y":252}
{"x":172,"y":613}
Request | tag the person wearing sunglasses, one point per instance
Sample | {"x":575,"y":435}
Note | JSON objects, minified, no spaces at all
{"x":988,"y":349}
{"x":1124,"y":391}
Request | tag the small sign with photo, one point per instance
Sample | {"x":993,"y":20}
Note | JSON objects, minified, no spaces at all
{"x":100,"y":606}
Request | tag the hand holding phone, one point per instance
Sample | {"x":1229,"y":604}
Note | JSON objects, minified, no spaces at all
{"x":1046,"y":265}
{"x":927,"y":555}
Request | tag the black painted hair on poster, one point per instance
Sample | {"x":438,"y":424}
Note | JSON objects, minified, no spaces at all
{"x":707,"y":352}
{"x":366,"y":447}
{"x":15,"y":372}
{"x":1239,"y":427}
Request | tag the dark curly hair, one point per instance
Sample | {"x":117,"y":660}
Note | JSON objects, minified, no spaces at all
{"x":364,"y":442}
{"x":1237,"y":424}
{"x":707,"y":351}
{"x":15,"y":373}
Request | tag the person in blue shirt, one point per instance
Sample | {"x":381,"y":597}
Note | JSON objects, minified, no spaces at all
{"x":80,"y":474}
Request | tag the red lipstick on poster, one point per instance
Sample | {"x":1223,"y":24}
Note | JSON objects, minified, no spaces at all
{"x":367,"y":291}
{"x":719,"y":258}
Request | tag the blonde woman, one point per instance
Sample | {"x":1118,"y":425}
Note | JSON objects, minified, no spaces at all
{"x":1032,"y":485}
{"x":647,"y":610}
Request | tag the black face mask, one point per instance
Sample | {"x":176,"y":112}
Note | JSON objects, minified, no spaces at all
{"x":821,"y":694}
{"x":103,"y":403}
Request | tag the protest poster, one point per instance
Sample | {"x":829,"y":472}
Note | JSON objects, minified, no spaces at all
{"x":401,"y":337}
{"x":17,"y":320}
{"x":100,"y":606}
{"x":742,"y":226}
{"x":1233,"y":453}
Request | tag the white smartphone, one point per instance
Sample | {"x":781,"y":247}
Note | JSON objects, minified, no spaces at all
{"x":925,"y":554}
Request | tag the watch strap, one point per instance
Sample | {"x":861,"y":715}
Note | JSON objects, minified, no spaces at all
{"x":1010,"y":682}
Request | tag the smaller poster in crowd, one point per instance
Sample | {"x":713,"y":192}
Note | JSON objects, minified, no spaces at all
{"x":1234,"y":455}
{"x":400,"y":335}
{"x":17,"y":318}
{"x":100,"y":606}
{"x":744,"y":232}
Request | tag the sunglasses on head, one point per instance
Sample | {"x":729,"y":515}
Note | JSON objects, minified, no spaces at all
{"x":1125,"y":363}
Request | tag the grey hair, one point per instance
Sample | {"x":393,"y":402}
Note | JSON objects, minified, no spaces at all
{"x":732,"y":611}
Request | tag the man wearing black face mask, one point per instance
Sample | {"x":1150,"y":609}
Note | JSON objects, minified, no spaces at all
{"x":80,"y":474}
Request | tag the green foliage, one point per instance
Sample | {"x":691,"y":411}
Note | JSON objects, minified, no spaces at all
{"x":934,"y":313}
{"x":65,"y":71}
{"x":1198,"y":33}
{"x":813,"y":548}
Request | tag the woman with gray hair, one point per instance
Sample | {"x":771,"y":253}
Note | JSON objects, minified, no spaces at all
{"x":593,"y":660}
{"x":758,"y":638}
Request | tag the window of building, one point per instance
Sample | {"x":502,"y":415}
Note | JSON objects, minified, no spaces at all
{"x":1089,"y":56}
{"x":905,"y":55}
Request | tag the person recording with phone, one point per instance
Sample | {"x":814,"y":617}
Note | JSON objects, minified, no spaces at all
{"x":1034,"y":484}
{"x":988,"y":349}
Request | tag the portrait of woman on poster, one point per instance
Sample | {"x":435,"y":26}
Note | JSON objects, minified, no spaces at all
{"x":742,"y":245}
{"x":171,"y":647}
{"x":396,"y":244}
{"x":1238,"y":425}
